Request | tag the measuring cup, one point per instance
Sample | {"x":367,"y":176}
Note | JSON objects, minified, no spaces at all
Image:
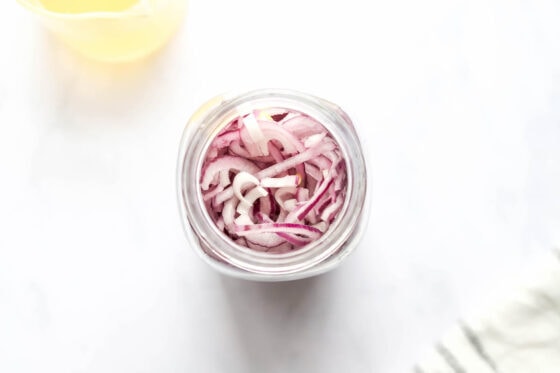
{"x":111,"y":36}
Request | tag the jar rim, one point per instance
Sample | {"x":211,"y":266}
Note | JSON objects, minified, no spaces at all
{"x":220,"y":250}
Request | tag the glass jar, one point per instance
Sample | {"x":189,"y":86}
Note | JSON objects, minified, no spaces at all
{"x":218,"y":249}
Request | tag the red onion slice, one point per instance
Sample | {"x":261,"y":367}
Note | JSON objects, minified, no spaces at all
{"x":226,"y":163}
{"x":281,"y":182}
{"x":256,"y":135}
{"x":292,"y":228}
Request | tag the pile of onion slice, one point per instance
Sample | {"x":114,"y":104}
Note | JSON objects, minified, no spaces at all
{"x":273,"y":180}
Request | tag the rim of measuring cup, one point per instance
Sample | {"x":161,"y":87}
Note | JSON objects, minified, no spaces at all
{"x":143,"y":8}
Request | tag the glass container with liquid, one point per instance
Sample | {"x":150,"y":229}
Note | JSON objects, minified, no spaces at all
{"x":111,"y":30}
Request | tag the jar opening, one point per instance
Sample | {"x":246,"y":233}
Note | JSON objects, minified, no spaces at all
{"x":216,"y":244}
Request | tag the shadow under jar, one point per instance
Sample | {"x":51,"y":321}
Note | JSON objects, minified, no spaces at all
{"x":224,"y":127}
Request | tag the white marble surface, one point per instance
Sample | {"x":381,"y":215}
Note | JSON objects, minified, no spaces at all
{"x":458,"y":103}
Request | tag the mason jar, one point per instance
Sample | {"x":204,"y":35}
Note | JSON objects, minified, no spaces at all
{"x":219,"y":250}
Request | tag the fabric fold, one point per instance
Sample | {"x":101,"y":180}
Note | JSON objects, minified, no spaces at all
{"x":519,"y":335}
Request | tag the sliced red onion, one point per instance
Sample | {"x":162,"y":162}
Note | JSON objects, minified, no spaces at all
{"x":292,"y":239}
{"x":275,"y":152}
{"x":254,"y":130}
{"x":300,"y":229}
{"x":241,"y":241}
{"x":295,"y":160}
{"x":243,"y":220}
{"x":290,"y":143}
{"x":339,"y":181}
{"x":330,"y":211}
{"x":322,"y":226}
{"x":226,"y":163}
{"x":290,"y":204}
{"x":302,"y":126}
{"x":283,"y":194}
{"x":314,"y":140}
{"x":236,"y":149}
{"x":224,"y":178}
{"x":228,"y":212}
{"x":282,"y":215}
{"x":220,"y":223}
{"x":250,"y":198}
{"x":225,"y":139}
{"x":322,"y":203}
{"x":313,"y":171}
{"x":281,"y":182}
{"x":212,"y":153}
{"x":241,"y":181}
{"x":304,"y":210}
{"x":321,"y":162}
{"x":302,"y":194}
{"x":265,"y":205}
{"x":274,"y":180}
{"x":265,"y":239}
{"x":212,"y":193}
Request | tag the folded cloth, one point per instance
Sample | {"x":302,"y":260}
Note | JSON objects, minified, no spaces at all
{"x":521,"y":335}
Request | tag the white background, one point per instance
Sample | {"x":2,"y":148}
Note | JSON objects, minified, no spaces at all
{"x":457,"y":102}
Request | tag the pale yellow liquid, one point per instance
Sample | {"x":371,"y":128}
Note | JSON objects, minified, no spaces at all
{"x":83,"y":6}
{"x":111,"y":30}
